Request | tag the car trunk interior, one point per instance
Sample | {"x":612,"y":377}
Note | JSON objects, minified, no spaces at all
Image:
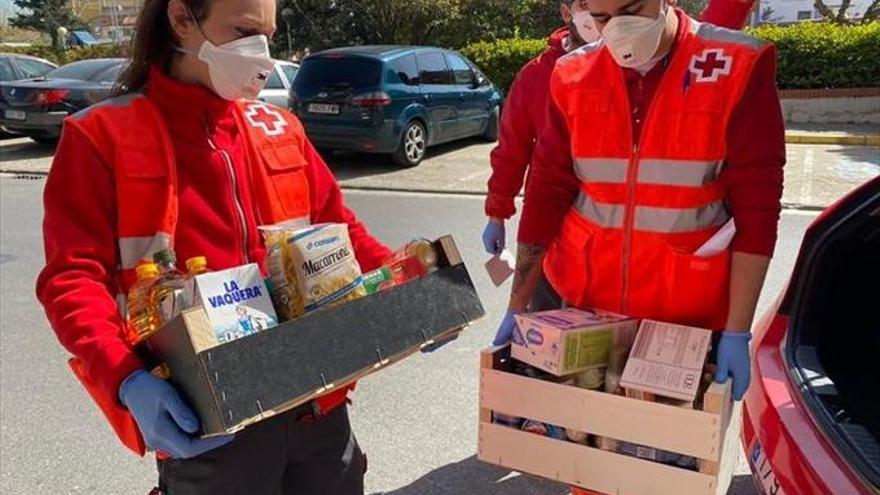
{"x":835,"y":338}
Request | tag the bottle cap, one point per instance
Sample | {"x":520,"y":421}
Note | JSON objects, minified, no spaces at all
{"x":164,"y":257}
{"x":147,"y":270}
{"x":197,"y":264}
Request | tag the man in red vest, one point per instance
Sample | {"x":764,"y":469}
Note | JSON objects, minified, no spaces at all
{"x":659,"y":143}
{"x":526,"y":103}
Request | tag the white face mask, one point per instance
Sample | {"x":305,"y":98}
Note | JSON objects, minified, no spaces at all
{"x":633,"y":40}
{"x":586,"y":28}
{"x":240,"y":68}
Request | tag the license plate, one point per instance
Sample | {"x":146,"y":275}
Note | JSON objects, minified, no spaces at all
{"x":764,"y":472}
{"x":15,"y":115}
{"x":324,"y":108}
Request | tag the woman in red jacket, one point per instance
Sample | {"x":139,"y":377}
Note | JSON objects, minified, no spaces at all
{"x":186,"y":123}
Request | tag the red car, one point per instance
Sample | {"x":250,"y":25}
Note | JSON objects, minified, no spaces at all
{"x":811,"y":419}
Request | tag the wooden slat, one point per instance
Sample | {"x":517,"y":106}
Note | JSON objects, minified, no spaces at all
{"x":579,"y":465}
{"x":683,"y":431}
{"x":730,"y":450}
{"x":716,"y":400}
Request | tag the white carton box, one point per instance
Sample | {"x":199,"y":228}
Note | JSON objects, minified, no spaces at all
{"x":667,"y":360}
{"x":236,"y":301}
{"x":566,"y":341}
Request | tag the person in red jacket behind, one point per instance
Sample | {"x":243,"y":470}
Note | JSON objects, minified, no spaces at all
{"x":187,"y":122}
{"x":525,"y":109}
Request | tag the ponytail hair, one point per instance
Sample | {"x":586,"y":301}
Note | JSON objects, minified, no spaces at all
{"x":153,"y":42}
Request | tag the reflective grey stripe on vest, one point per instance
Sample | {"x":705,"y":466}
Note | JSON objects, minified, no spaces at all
{"x":652,"y":218}
{"x":678,"y":172}
{"x":122,"y":305}
{"x":118,"y":101}
{"x":611,"y":170}
{"x":669,"y":220}
{"x":715,"y":33}
{"x":602,"y":214}
{"x":133,"y":250}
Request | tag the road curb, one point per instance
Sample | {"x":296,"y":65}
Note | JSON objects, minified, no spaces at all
{"x":798,"y":137}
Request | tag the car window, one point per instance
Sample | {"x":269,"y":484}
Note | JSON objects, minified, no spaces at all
{"x":6,"y":72}
{"x":290,"y":72}
{"x":433,"y":69}
{"x":274,"y":81}
{"x":32,"y":68}
{"x":461,"y":71}
{"x":357,"y":74}
{"x":86,"y":70}
{"x":406,"y":69}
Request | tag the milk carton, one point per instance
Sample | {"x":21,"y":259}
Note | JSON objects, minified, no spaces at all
{"x":236,"y":301}
{"x":566,"y":341}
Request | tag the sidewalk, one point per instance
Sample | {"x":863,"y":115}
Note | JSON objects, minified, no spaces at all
{"x":841,"y":134}
{"x":816,"y":175}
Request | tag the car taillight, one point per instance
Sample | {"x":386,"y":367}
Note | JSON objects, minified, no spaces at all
{"x":51,"y":96}
{"x":374,"y":99}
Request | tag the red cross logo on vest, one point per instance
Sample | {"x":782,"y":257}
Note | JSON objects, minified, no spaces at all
{"x":710,"y":64}
{"x":261,"y":116}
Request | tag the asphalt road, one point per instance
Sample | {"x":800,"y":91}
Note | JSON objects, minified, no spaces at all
{"x":416,"y":419}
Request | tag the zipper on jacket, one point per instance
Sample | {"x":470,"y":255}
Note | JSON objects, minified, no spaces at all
{"x":236,"y":199}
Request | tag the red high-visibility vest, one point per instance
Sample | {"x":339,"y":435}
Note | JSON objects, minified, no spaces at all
{"x":643,"y":208}
{"x":130,"y":136}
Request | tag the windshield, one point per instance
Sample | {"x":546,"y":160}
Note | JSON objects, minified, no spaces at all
{"x":323,"y":73}
{"x":86,"y":70}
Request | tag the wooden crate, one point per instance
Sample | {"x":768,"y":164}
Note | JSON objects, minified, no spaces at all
{"x":709,"y":434}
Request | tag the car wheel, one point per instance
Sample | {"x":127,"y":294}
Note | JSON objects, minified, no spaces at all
{"x":413,"y":144}
{"x":491,"y":133}
{"x":51,"y":141}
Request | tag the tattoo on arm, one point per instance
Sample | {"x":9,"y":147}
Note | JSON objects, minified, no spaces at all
{"x":529,"y":258}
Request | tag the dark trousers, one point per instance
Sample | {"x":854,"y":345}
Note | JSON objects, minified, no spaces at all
{"x":544,"y":298}
{"x":284,"y":455}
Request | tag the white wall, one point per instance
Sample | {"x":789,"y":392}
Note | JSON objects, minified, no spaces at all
{"x":785,"y":11}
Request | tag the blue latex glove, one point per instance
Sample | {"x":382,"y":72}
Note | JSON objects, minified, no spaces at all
{"x":493,"y":237}
{"x":505,"y":329}
{"x":165,"y":421}
{"x":734,"y":361}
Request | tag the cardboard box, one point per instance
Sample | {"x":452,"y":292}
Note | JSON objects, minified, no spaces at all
{"x":236,"y":302}
{"x":238,"y":383}
{"x":667,"y":360}
{"x":566,"y":341}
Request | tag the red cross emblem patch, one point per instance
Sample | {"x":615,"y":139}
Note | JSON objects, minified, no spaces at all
{"x":710,"y":64}
{"x":263,"y":117}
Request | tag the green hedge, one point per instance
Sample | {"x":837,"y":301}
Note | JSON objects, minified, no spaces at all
{"x":502,"y":59}
{"x":810,"y":55}
{"x":821,"y":55}
{"x":68,"y":56}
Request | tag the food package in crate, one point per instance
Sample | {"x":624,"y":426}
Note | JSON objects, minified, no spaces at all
{"x":311,"y":268}
{"x":566,"y":341}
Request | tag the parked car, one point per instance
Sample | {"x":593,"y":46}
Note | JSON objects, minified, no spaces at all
{"x":280,"y":83}
{"x":14,"y":67}
{"x":811,"y":418}
{"x":394,"y":99}
{"x":36,"y":108}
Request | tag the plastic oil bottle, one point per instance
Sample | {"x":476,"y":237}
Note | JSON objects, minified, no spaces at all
{"x":167,"y":293}
{"x":142,"y":316}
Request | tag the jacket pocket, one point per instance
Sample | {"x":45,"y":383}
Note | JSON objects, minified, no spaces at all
{"x":285,"y":166}
{"x":566,"y":264}
{"x":698,"y":291}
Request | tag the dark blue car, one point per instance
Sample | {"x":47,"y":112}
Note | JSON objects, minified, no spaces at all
{"x":394,"y":99}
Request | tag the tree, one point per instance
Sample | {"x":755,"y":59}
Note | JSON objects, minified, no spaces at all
{"x":841,"y":17}
{"x":45,"y":16}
